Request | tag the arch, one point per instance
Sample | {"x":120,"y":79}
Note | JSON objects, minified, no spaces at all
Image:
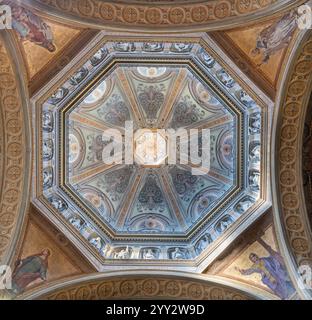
{"x":15,"y":149}
{"x":291,"y":221}
{"x":148,"y":284}
{"x":164,"y":16}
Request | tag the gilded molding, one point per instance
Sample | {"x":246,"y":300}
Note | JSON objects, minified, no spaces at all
{"x":15,"y":152}
{"x":291,"y":221}
{"x":147,"y":285}
{"x":174,"y":17}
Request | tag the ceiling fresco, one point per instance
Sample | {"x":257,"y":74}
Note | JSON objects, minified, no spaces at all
{"x":40,"y":39}
{"x":38,"y":57}
{"x":60,"y":261}
{"x":260,"y":49}
{"x":264,"y":45}
{"x":150,"y":209}
{"x":155,"y":149}
{"x":257,"y":244}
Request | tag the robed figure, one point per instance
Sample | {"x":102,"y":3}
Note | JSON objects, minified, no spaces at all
{"x":276,"y":36}
{"x":30,"y":269}
{"x":272,"y":270}
{"x":32,"y":28}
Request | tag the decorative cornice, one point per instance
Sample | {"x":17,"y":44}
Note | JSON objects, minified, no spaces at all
{"x":291,"y":221}
{"x":15,"y":150}
{"x":161,"y":17}
{"x":147,"y":285}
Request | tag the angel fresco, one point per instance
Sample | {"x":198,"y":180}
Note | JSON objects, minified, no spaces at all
{"x":32,"y":28}
{"x":275,"y":37}
{"x":272,"y":270}
{"x":29,"y":270}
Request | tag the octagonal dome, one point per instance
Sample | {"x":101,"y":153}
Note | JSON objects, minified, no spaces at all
{"x":149,"y":210}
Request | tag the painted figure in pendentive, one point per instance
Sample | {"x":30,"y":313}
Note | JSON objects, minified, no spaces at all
{"x":272,"y":270}
{"x":32,"y":28}
{"x":29,"y":270}
{"x":275,"y":37}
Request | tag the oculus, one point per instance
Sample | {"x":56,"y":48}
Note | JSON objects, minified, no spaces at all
{"x":150,"y":148}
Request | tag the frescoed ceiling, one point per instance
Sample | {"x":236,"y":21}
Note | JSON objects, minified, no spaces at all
{"x":114,"y":206}
{"x":76,"y":96}
{"x":109,"y":105}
